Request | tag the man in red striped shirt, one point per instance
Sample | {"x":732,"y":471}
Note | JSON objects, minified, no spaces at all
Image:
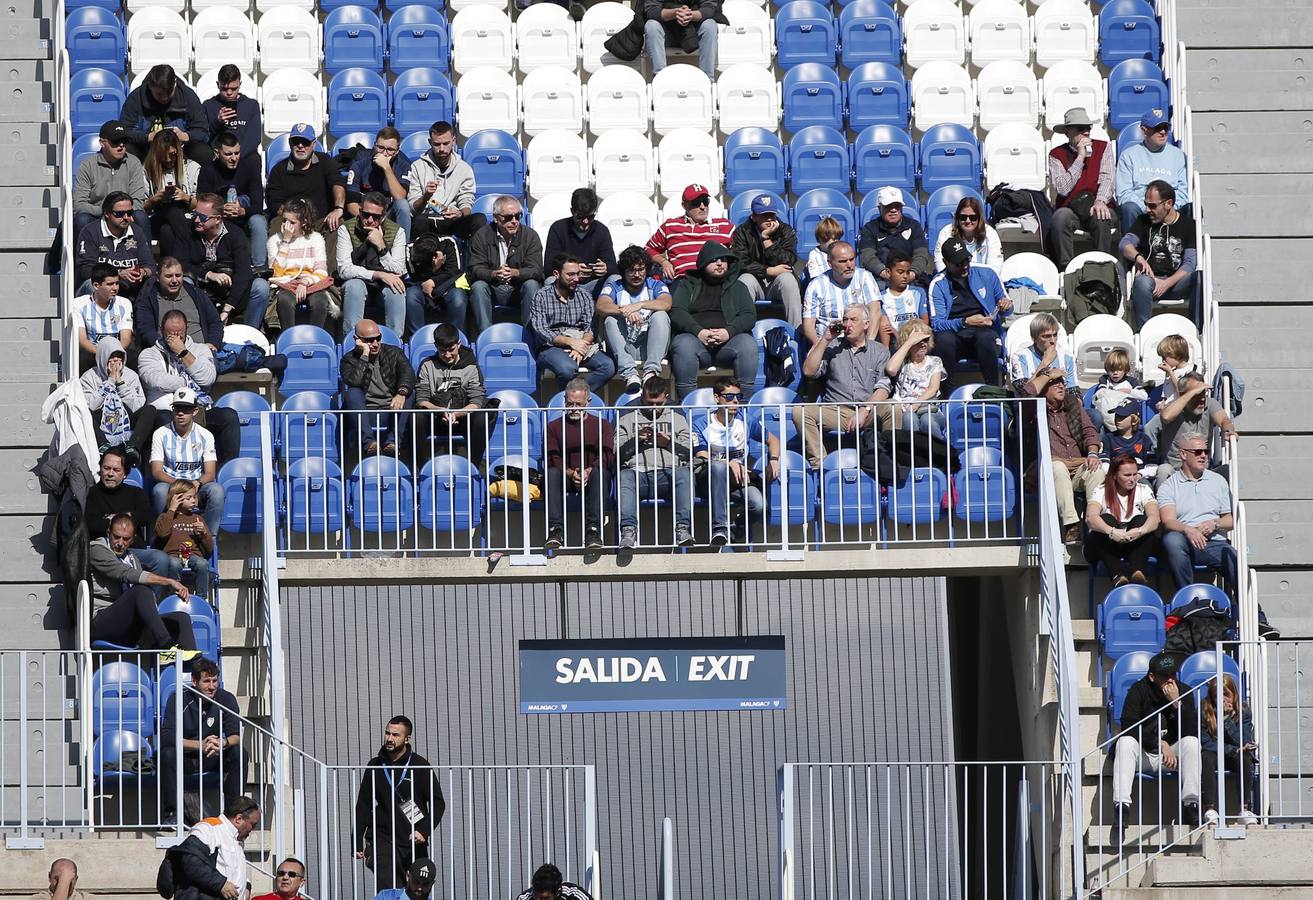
{"x":676,"y":244}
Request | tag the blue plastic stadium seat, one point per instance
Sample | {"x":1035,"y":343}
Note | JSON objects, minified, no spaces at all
{"x":698,"y":405}
{"x":312,"y":360}
{"x":759,"y":332}
{"x":754,"y":161}
{"x":818,"y":158}
{"x":277,"y":151}
{"x":357,"y":101}
{"x":95,"y":96}
{"x":848,"y":495}
{"x":310,"y":430}
{"x":134,"y":478}
{"x":420,"y":97}
{"x":883,"y":155}
{"x":353,"y":139}
{"x":1130,"y":619}
{"x":517,"y":427}
{"x":975,"y":424}
{"x":812,"y":95}
{"x":741,"y":207}
{"x":108,"y":750}
{"x":949,"y":155}
{"x":316,"y":500}
{"x":505,"y":359}
{"x":920,"y":499}
{"x":394,"y":6}
{"x":382,"y":495}
{"x":497,"y":160}
{"x":111,"y":5}
{"x":415,"y":145}
{"x":353,"y":36}
{"x":877,"y":95}
{"x":798,"y":507}
{"x":247,"y":405}
{"x":417,"y":35}
{"x":450,"y":494}
{"x":1125,"y":672}
{"x":389,"y":336}
{"x":984,"y":494}
{"x":87,"y":145}
{"x":122,"y":699}
{"x":242,"y":480}
{"x":204,"y":621}
{"x":421,"y":346}
{"x":870,"y":31}
{"x":1135,"y":87}
{"x":95,"y":38}
{"x":1202,"y":666}
{"x":1128,"y":29}
{"x":1191,"y":592}
{"x":804,"y":33}
{"x":556,"y":406}
{"x":166,"y":685}
{"x":814,"y":205}
{"x":484,"y":204}
{"x":769,"y":413}
{"x":942,"y":205}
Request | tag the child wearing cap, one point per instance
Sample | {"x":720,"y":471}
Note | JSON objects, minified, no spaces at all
{"x":1128,"y":438}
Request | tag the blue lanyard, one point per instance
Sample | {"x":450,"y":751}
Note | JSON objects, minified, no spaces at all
{"x":405,"y":773}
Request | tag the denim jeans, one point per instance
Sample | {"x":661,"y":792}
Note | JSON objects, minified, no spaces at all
{"x":483,"y":294}
{"x":258,"y":302}
{"x":379,"y":425}
{"x":211,"y":498}
{"x":1181,"y":559}
{"x":158,"y":562}
{"x":257,"y":229}
{"x":562,"y":365}
{"x":401,"y":213}
{"x":1142,"y":298}
{"x":636,"y":486}
{"x":688,"y":356}
{"x":654,"y":42}
{"x":451,"y":308}
{"x":652,"y":345}
{"x":929,"y":419}
{"x":356,"y":293}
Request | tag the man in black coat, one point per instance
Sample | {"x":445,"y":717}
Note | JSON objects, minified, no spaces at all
{"x":211,"y":738}
{"x":377,"y":377}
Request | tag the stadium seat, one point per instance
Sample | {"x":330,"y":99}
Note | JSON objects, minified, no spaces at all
{"x":420,"y":346}
{"x":204,"y":621}
{"x":812,"y":95}
{"x":805,"y":32}
{"x":768,"y":414}
{"x":556,"y":406}
{"x":870,"y":31}
{"x":848,"y":495}
{"x":1064,"y":29}
{"x":748,"y":38}
{"x":545,"y":35}
{"x":417,"y":144}
{"x":420,"y":97}
{"x":277,"y":152}
{"x":482,"y":36}
{"x":1007,"y":91}
{"x":221,"y":35}
{"x":291,"y":96}
{"x":552,"y":97}
{"x":311,"y":360}
{"x":682,"y":97}
{"x":877,"y":95}
{"x":1135,"y":87}
{"x":1072,"y":83}
{"x":108,"y":750}
{"x":548,"y":209}
{"x":975,"y":424}
{"x":458,"y":5}
{"x":497,"y":161}
{"x":351,"y":139}
{"x":1035,"y":266}
{"x":557,"y":161}
{"x":883,"y":155}
{"x":313,"y":430}
{"x":920,"y":499}
{"x":799,"y":506}
{"x":630,"y":217}
{"x":741,"y":207}
{"x":1016,"y":154}
{"x":353,"y":36}
{"x":158,"y":35}
{"x":357,"y":101}
{"x":1094,"y":338}
{"x":818,"y":158}
{"x":242,"y":481}
{"x":618,"y":97}
{"x":754,"y":160}
{"x":95,"y":96}
{"x":505,"y":359}
{"x":1116,"y":682}
{"x":811,"y":207}
{"x":451,"y":494}
{"x":487,"y":99}
{"x":122,"y":699}
{"x":96,"y":38}
{"x":935,"y":31}
{"x":1157,"y":328}
{"x":289,"y":38}
{"x":316,"y":501}
{"x":417,"y":36}
{"x":942,"y":205}
{"x":382,"y":495}
{"x":949,"y":155}
{"x":87,"y":145}
{"x":518,"y":425}
{"x":747,"y":96}
{"x":942,"y":92}
{"x":1215,"y":596}
{"x":1130,"y":619}
{"x":1202,"y":666}
{"x":111,"y":5}
{"x":759,"y":331}
{"x":1128,"y":29}
{"x":688,"y":156}
{"x":984,"y":494}
{"x":600,"y":23}
{"x":623,"y":161}
{"x":395,"y":6}
{"x":999,"y":30}
{"x":247,"y":405}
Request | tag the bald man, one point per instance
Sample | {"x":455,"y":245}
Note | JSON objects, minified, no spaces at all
{"x":63,"y":882}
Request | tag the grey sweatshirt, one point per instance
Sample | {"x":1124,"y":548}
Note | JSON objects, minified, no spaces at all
{"x":643,"y":455}
{"x":109,"y":573}
{"x":463,"y":379}
{"x":129,"y":387}
{"x":159,"y":370}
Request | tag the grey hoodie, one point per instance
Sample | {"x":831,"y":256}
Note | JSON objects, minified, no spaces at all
{"x":110,"y":572}
{"x":643,"y":455}
{"x":129,"y":386}
{"x":459,"y":384}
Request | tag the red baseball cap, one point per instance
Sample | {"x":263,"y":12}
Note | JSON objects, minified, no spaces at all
{"x":694,"y":191}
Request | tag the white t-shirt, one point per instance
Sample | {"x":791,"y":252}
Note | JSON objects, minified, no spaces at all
{"x":914,"y":378}
{"x":1142,"y":498}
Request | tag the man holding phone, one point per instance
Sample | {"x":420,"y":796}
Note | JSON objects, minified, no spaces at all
{"x":441,"y":194}
{"x":115,"y":239}
{"x":582,"y":236}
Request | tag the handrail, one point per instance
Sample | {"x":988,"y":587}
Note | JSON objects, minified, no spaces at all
{"x":87,"y":733}
{"x":272,"y":611}
{"x":666,"y":872}
{"x":63,"y":126}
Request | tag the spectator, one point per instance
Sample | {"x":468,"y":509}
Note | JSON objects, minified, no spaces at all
{"x":1118,"y":376}
{"x":111,"y":497}
{"x":548,"y":884}
{"x":979,"y":237}
{"x":677,"y":242}
{"x":183,"y":536}
{"x":419,"y":883}
{"x":1153,"y":159}
{"x":851,"y":364}
{"x":441,"y":194}
{"x":171,"y":180}
{"x":118,"y":241}
{"x":1043,"y":352}
{"x":378,"y":377}
{"x":1228,"y":741}
{"x":1127,"y":438}
{"x":164,"y":104}
{"x":902,"y":301}
{"x":299,"y":268}
{"x":1193,"y":413}
{"x":230,"y":112}
{"x":226,"y":835}
{"x":1174,"y":355}
{"x":580,"y":460}
{"x":967,"y":305}
{"x":635,"y":311}
{"x":398,"y":807}
{"x":734,"y":486}
{"x":63,"y":882}
{"x":289,"y":880}
{"x":842,"y":285}
{"x":561,"y":327}
{"x":1070,"y":432}
{"x":690,"y":25}
{"x":114,"y":395}
{"x":169,"y":293}
{"x":371,"y":260}
{"x":654,"y":449}
{"x":435,"y":265}
{"x":582,"y":236}
{"x":828,"y":230}
{"x":239,"y":182}
{"x":1161,"y":246}
{"x":218,"y":260}
{"x":123,"y":609}
{"x":1081,"y":174}
{"x":1123,"y":523}
{"x":306,"y":174}
{"x":1195,"y":505}
{"x":506,"y":263}
{"x":451,"y":382}
{"x":101,"y":314}
{"x":190,"y":872}
{"x":108,"y":170}
{"x":185,"y":450}
{"x":918,"y":378}
{"x":768,"y":256}
{"x":211,"y":732}
{"x":712,"y":315}
{"x":1159,"y":730}
{"x":385,"y":169}
{"x":175,"y":361}
{"x":889,"y":231}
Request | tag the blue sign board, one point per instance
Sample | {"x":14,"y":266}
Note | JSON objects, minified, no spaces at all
{"x":653,"y":675}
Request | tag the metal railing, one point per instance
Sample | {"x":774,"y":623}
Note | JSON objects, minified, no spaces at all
{"x":63,"y":125}
{"x":666,"y":864}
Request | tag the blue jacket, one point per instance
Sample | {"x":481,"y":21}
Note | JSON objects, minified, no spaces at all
{"x":362,"y":176}
{"x":983,"y":282}
{"x":1231,"y":733}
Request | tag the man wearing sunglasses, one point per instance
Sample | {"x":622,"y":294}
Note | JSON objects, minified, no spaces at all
{"x":677,"y":242}
{"x":110,"y":169}
{"x":289,"y":879}
{"x":1156,"y":158}
{"x":217,"y":259}
{"x":506,"y":263}
{"x":1162,"y":248}
{"x":371,"y":261}
{"x":116,"y":240}
{"x":1195,"y":507}
{"x":1081,"y":172}
{"x":306,"y":174}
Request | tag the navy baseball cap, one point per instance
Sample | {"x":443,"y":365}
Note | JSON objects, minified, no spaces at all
{"x":762,"y":204}
{"x":1155,"y":117}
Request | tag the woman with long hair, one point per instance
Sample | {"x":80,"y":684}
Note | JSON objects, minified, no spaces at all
{"x":1228,"y":740}
{"x":1123,"y":523}
{"x":300,"y":268}
{"x":171,"y":178}
{"x":979,"y":236}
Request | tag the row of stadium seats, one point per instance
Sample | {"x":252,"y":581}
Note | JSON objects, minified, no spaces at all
{"x":1197,"y":669}
{"x":205,"y":626}
{"x":1133,"y":617}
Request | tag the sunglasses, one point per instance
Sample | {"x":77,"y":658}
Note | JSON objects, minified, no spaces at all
{"x":732,"y":396}
{"x":701,"y":201}
{"x":202,"y":217}
{"x":299,"y":143}
{"x":509,"y":217}
{"x":1194,"y":452}
{"x":288,"y":873}
{"x":1152,"y":206}
{"x":121,"y":213}
{"x":373,"y":217}
{"x":372,"y":340}
{"x":968,"y":217}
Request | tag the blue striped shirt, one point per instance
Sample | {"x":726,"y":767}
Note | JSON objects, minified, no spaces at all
{"x":183,"y":457}
{"x":826,"y":301}
{"x":1023,"y":365}
{"x":102,"y":323}
{"x":910,"y":304}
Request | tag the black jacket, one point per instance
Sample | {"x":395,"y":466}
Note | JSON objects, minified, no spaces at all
{"x":755,"y":258}
{"x":877,"y":239}
{"x":314,"y":184}
{"x":146,"y":314}
{"x":526,"y":254}
{"x":102,"y":505}
{"x":93,"y":246}
{"x":392,"y":363}
{"x":190,"y":871}
{"x":247,"y":178}
{"x":594,"y":245}
{"x":1172,"y":722}
{"x":383,"y":791}
{"x":201,"y":718}
{"x":232,"y":254}
{"x":419,"y":263}
{"x":141,"y":113}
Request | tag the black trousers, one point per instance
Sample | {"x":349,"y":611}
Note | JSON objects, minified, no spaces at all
{"x":463,"y":228}
{"x":970,"y":342}
{"x":1121,"y":559}
{"x":143,"y":427}
{"x":135,"y":613}
{"x":595,"y":494}
{"x":230,"y":764}
{"x":390,"y":859}
{"x":1239,"y":770}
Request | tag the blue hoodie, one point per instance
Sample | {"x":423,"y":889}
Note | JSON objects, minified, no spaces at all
{"x":246,"y":124}
{"x":1137,"y":166}
{"x":984,"y":284}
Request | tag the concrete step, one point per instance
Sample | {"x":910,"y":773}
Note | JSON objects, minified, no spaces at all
{"x":1266,"y":856}
{"x":1250,"y":271}
{"x":1279,"y":532}
{"x":1272,"y":466}
{"x":1249,"y":80}
{"x":25,"y":548}
{"x":26,"y":101}
{"x":112,"y":864}
{"x":28,"y":155}
{"x":27,"y":228}
{"x":1284,"y":595}
{"x":1264,"y":337}
{"x":33,"y":614}
{"x":1266,"y":23}
{"x":1275,"y":403}
{"x":1256,"y":205}
{"x":31,"y":292}
{"x":32,"y":197}
{"x":20,"y":492}
{"x":1240,"y":142}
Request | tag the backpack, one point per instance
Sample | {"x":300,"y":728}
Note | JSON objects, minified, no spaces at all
{"x":778,"y":358}
{"x":1093,"y":288}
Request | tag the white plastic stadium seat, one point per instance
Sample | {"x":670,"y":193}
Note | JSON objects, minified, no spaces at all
{"x":688,"y":156}
{"x":198,"y":5}
{"x":291,"y":96}
{"x":222,"y":35}
{"x":557,"y":161}
{"x":1007,"y":91}
{"x":1157,"y":328}
{"x":545,"y":35}
{"x":1000,"y":29}
{"x":630,"y":217}
{"x":482,"y":36}
{"x":1018,"y":335}
{"x":1064,"y":29}
{"x":748,"y":38}
{"x":934,"y":30}
{"x":551,"y":97}
{"x":682,"y":97}
{"x":136,"y":6}
{"x":1035,"y":266}
{"x":487,"y":97}
{"x":458,"y":5}
{"x":673,"y":208}
{"x":1095,"y":337}
{"x":158,"y":35}
{"x":1018,"y":155}
{"x":747,"y":96}
{"x":600,"y":22}
{"x":624,"y":161}
{"x":942,"y":92}
{"x":618,"y":97}
{"x":289,"y":38}
{"x":1071,"y":83}
{"x":549,"y":209}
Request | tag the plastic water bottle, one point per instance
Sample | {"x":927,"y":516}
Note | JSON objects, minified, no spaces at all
{"x":232,"y":194}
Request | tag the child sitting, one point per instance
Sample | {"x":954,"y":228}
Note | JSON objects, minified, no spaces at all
{"x":182,"y":535}
{"x":1117,"y":374}
{"x":828,"y":230}
{"x":917,"y":377}
{"x":902,"y":301}
{"x":1127,"y":438}
{"x":1174,"y":351}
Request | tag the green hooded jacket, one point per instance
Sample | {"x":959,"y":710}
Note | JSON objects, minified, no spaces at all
{"x":735,"y":300}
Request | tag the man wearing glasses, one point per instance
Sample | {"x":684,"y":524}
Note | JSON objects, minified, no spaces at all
{"x":1195,"y":507}
{"x":306,"y":174}
{"x":1081,"y":172}
{"x":377,"y":377}
{"x":506,"y":263}
{"x":1162,"y":248}
{"x":289,"y":879}
{"x":217,"y":259}
{"x":111,"y":169}
{"x":583,"y":236}
{"x":1156,"y":158}
{"x":580,"y":460}
{"x":371,"y":260}
{"x":116,"y":240}
{"x":676,"y":244}
{"x":384,"y":169}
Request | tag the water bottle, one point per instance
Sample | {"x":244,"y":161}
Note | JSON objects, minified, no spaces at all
{"x":232,"y":194}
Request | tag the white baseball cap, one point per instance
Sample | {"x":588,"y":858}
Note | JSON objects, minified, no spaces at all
{"x":888,"y":196}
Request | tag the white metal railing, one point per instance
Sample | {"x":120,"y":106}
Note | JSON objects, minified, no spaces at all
{"x":63,"y":127}
{"x":666,"y":870}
